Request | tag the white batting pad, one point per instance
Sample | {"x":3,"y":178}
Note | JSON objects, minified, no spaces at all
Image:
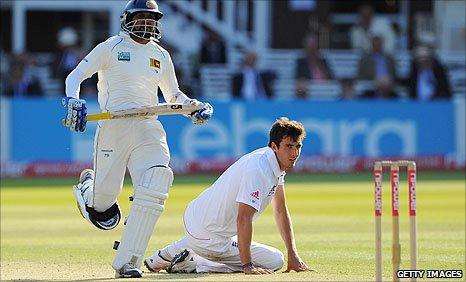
{"x":148,"y":204}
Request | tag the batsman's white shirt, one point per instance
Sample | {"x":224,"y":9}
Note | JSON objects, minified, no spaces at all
{"x":251,"y":180}
{"x":129,"y":73}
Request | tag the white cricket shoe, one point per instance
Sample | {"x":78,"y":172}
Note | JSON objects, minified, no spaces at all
{"x":86,"y":174}
{"x":129,"y":270}
{"x":156,"y":262}
{"x":83,"y":193}
{"x":79,"y":190}
{"x":182,"y":263}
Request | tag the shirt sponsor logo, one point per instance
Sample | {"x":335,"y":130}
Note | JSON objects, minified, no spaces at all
{"x":106,"y":152}
{"x":124,"y":56}
{"x":154,"y":63}
{"x":255,"y":194}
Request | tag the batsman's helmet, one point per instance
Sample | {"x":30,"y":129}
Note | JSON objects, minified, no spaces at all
{"x":142,"y":28}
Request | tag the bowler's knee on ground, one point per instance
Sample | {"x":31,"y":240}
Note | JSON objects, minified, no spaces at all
{"x":148,"y":204}
{"x":267,"y":257}
{"x":211,"y":259}
{"x":263,"y":256}
{"x":226,"y":251}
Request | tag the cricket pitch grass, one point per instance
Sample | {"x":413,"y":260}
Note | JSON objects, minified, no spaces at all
{"x":43,"y":236}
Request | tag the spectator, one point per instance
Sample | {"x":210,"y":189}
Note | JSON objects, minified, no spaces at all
{"x":376,"y":64}
{"x":302,"y":89}
{"x":378,"y":67}
{"x":212,"y":49}
{"x":311,"y":67}
{"x":4,"y":71}
{"x":382,"y":89}
{"x":69,"y":53}
{"x":22,"y":82}
{"x":368,"y":25}
{"x":427,"y":79}
{"x":250,"y":83}
{"x":347,"y":89}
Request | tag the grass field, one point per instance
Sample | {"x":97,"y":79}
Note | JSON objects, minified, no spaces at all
{"x":43,"y":236}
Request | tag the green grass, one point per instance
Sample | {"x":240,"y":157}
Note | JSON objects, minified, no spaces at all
{"x":43,"y":236}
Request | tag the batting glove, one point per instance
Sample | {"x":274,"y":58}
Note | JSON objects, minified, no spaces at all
{"x":76,"y":115}
{"x":201,"y":116}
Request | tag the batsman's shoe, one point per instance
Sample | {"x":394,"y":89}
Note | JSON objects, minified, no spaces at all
{"x":156,"y":262}
{"x":83,"y":191}
{"x":129,"y":270}
{"x":86,"y":174}
{"x":182,"y":263}
{"x":85,"y":179}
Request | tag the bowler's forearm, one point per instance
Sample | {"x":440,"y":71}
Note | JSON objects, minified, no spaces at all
{"x":286,"y":230}
{"x":244,"y":227}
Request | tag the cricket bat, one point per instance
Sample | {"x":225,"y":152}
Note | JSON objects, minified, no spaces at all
{"x":161,"y":109}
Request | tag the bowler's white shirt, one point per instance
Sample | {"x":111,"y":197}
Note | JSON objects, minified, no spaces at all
{"x":251,"y":180}
{"x":129,"y":73}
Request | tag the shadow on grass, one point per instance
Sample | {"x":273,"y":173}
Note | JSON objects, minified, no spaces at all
{"x":145,"y":276}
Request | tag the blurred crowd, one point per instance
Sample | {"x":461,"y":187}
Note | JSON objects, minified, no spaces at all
{"x":21,"y":73}
{"x":18,"y":76}
{"x":373,"y":36}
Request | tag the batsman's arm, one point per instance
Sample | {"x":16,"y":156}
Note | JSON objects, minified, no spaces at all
{"x":76,"y":116}
{"x":169,"y":84}
{"x":93,"y":61}
{"x":173,"y":94}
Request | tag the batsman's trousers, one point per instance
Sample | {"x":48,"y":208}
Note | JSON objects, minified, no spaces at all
{"x":133,"y":143}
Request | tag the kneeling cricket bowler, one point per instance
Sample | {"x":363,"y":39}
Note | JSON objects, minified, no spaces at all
{"x":218,"y":223}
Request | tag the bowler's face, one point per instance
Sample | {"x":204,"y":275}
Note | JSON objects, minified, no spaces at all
{"x":287,"y":153}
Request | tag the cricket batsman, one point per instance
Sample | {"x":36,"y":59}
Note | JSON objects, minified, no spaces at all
{"x":218,"y":223}
{"x":130,"y":67}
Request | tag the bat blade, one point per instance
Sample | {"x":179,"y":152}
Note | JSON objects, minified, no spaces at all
{"x":161,"y":109}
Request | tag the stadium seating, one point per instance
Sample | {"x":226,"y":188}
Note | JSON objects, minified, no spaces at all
{"x":44,"y":72}
{"x":215,"y":79}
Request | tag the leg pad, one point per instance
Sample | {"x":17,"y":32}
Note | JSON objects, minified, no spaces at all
{"x":148,"y":205}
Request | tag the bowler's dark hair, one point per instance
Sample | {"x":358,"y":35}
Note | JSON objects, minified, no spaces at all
{"x":284,"y":127}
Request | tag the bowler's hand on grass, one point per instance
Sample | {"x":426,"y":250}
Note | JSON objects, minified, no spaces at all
{"x":296,"y":263}
{"x":256,"y":270}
